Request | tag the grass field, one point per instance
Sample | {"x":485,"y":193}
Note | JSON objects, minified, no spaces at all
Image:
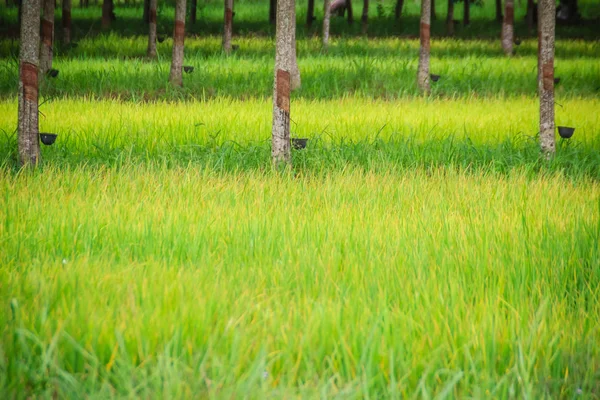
{"x":419,"y":247}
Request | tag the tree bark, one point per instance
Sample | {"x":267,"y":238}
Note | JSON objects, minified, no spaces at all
{"x":546,"y":23}
{"x":107,"y":8}
{"x":310,"y":13}
{"x":272,"y":11}
{"x":467,"y":13}
{"x":508,"y":28}
{"x":399,"y":6}
{"x":350,"y":12}
{"x":284,"y":54}
{"x":228,"y":28}
{"x":295,"y":73}
{"x":365,"y":17}
{"x":175,"y":77}
{"x":423,"y":71}
{"x":193,"y":11}
{"x":47,"y":37}
{"x":66,"y":21}
{"x":326,"y":23}
{"x":450,"y":18}
{"x":499,"y":10}
{"x":152,"y":29}
{"x":28,"y":128}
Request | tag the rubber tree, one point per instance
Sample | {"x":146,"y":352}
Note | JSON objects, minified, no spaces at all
{"x":310,"y":13}
{"x":47,"y":36}
{"x":546,"y":34}
{"x":467,"y":12}
{"x":498,"y":10}
{"x":450,"y":18}
{"x":272,"y":11}
{"x":66,"y":21}
{"x":228,"y":26}
{"x":28,"y":128}
{"x":326,"y":23}
{"x":193,"y":11}
{"x":175,"y":76}
{"x":284,"y":65}
{"x":107,"y":10}
{"x":433,"y":14}
{"x":350,"y":12}
{"x":507,"y":37}
{"x":365,"y":17}
{"x":425,"y":31}
{"x":398,"y":9}
{"x":146,"y":13}
{"x":530,"y":16}
{"x":152,"y":29}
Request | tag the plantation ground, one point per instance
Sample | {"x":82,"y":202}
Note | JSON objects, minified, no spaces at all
{"x":418,"y":248}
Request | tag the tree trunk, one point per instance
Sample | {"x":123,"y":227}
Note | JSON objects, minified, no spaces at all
{"x":326,"y":23}
{"x":284,"y":54}
{"x":310,"y":13}
{"x":146,"y":14}
{"x":295,"y":72}
{"x":433,"y":16}
{"x":450,"y":18}
{"x":499,"y":10}
{"x":228,"y":28}
{"x":399,"y":6}
{"x":546,"y":23}
{"x":47,"y":36}
{"x":28,"y":131}
{"x":350,"y":12}
{"x":193,"y":11}
{"x":272,"y":11}
{"x":530,"y":16}
{"x":467,"y":13}
{"x":66,"y":21}
{"x":152,"y":29}
{"x":175,"y":76}
{"x":106,"y":13}
{"x":365,"y":17}
{"x":423,"y":71}
{"x":508,"y":28}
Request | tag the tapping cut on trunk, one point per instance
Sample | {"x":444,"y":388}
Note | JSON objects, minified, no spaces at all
{"x":283,"y":90}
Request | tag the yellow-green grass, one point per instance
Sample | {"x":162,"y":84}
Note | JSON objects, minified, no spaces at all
{"x":181,"y":283}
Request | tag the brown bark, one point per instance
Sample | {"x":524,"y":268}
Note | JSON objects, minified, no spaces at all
{"x":272,"y":11}
{"x":175,"y":77}
{"x":365,"y":17}
{"x":228,"y":26}
{"x":326,"y":23}
{"x":399,"y":6}
{"x":423,"y":71}
{"x":193,"y":11}
{"x":310,"y":13}
{"x":450,"y":18}
{"x":467,"y":13}
{"x":499,"y":10}
{"x":66,"y":21}
{"x":284,"y":54}
{"x":546,"y":22}
{"x":508,"y":28}
{"x":350,"y":12}
{"x":152,"y":29}
{"x":28,"y":128}
{"x":47,"y":38}
{"x":107,"y":8}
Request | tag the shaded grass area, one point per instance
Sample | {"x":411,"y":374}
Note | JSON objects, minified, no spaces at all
{"x":115,"y":67}
{"x":181,"y":281}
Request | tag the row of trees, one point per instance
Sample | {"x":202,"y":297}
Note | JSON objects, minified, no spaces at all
{"x":36,"y":60}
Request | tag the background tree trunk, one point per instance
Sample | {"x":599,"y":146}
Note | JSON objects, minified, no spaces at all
{"x":146,"y":14}
{"x":284,"y":54}
{"x":272,"y":11}
{"x":178,"y":38}
{"x":28,"y":130}
{"x":365,"y":17}
{"x":423,"y":71}
{"x":467,"y":13}
{"x":326,"y":23}
{"x":530,"y":16}
{"x":193,"y":11}
{"x":450,"y":18}
{"x":228,"y":28}
{"x":152,"y":29}
{"x":310,"y":13}
{"x":66,"y":21}
{"x":546,"y":23}
{"x":106,"y":13}
{"x":508,"y":28}
{"x":499,"y":10}
{"x":433,"y":15}
{"x":350,"y":12}
{"x":47,"y":36}
{"x":399,"y":6}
